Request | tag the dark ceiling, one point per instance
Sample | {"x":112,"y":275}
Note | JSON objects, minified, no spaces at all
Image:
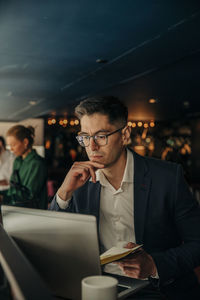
{"x":49,"y":51}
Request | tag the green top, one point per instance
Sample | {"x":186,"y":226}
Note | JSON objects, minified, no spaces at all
{"x":28,"y":182}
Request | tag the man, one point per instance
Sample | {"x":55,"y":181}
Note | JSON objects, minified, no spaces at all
{"x":6,"y":165}
{"x":136,"y":200}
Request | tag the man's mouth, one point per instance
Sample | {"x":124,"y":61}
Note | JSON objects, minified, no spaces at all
{"x":96,"y":156}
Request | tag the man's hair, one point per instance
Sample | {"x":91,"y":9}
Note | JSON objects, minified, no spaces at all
{"x":2,"y":140}
{"x":110,"y":106}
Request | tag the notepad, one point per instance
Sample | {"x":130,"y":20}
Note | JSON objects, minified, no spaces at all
{"x":116,"y":253}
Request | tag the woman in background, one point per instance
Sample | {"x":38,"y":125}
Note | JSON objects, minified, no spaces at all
{"x":29,"y":177}
{"x":6,"y":165}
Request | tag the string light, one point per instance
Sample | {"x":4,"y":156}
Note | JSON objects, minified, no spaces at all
{"x":152,"y":124}
{"x":62,"y":121}
{"x":76,"y":122}
{"x":145,"y":124}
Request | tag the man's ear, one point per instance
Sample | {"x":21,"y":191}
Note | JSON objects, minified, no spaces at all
{"x":126,"y":135}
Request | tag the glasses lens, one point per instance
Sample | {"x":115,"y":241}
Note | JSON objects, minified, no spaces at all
{"x":83,"y":140}
{"x":100,"y":140}
{"x":80,"y":140}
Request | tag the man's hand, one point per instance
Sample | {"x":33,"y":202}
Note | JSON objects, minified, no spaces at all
{"x":79,"y":173}
{"x":139,"y":265}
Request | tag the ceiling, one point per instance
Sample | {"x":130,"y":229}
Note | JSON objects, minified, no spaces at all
{"x":53,"y":53}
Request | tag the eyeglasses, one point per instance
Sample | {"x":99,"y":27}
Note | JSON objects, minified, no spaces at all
{"x":99,"y":139}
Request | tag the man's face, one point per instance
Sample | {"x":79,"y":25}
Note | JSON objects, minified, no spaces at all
{"x":99,"y":124}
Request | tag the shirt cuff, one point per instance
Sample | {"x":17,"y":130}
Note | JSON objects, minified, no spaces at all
{"x":156,"y":276}
{"x":62,"y":204}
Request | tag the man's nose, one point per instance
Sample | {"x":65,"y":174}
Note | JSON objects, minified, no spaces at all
{"x":93,"y":145}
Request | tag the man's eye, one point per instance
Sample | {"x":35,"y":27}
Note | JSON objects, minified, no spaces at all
{"x":100,"y":137}
{"x":86,"y":137}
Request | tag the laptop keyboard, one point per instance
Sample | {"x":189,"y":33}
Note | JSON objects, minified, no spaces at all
{"x":121,"y":288}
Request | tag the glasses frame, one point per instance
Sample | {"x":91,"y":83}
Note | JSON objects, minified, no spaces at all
{"x":94,"y":139}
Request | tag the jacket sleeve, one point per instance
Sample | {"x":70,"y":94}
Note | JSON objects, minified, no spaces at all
{"x":54,"y":206}
{"x":173,"y":263}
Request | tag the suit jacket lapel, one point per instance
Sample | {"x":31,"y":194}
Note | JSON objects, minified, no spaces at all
{"x":94,"y":199}
{"x":94,"y":205}
{"x":142,"y":183}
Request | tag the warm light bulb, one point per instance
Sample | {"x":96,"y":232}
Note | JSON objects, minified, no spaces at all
{"x":47,"y":144}
{"x":148,"y":140}
{"x":152,"y":100}
{"x":76,"y":122}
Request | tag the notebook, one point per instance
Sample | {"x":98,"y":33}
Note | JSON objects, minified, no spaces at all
{"x":62,"y":247}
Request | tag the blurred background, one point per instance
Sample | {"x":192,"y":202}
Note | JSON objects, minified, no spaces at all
{"x":53,"y":54}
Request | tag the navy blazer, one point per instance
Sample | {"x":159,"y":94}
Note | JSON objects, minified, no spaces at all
{"x":166,"y":216}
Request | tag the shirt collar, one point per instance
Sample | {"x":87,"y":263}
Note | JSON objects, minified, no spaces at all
{"x":28,"y":157}
{"x":128,"y":172}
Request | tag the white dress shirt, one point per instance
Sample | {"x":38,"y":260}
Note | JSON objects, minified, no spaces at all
{"x":6,"y":167}
{"x":116,"y":211}
{"x":116,"y":224}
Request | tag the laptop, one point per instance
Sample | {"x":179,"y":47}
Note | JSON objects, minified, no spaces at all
{"x":62,"y":247}
{"x":18,"y":278}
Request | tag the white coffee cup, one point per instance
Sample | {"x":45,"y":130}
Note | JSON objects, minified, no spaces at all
{"x":99,"y":288}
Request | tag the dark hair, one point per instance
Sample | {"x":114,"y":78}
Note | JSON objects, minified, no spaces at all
{"x":2,"y":140}
{"x":21,"y":132}
{"x":111,"y":106}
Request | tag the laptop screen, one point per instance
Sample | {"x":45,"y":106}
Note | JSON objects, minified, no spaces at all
{"x":62,"y":247}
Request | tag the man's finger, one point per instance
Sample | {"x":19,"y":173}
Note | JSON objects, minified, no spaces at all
{"x":92,"y":167}
{"x":130,"y":245}
{"x":94,"y":164}
{"x":133,"y":274}
{"x":134,"y":265}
